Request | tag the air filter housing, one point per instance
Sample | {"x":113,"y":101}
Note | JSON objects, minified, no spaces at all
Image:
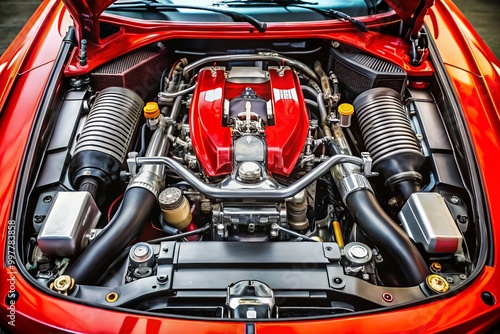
{"x":388,"y":136}
{"x":358,"y":72}
{"x":139,"y":70}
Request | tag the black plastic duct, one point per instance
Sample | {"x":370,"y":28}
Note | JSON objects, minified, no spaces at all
{"x":384,"y":232}
{"x":105,"y":139}
{"x":389,"y":138}
{"x":125,"y":225}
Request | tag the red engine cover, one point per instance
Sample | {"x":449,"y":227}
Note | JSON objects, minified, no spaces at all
{"x":212,"y":140}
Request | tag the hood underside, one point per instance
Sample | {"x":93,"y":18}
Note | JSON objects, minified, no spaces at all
{"x":86,"y":14}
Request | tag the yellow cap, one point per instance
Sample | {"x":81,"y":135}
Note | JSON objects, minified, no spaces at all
{"x":345,"y":109}
{"x":151,"y":110}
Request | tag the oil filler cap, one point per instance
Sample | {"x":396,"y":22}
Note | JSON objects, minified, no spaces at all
{"x":345,"y":109}
{"x":437,"y":283}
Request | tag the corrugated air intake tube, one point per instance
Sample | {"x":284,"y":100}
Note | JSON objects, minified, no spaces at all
{"x":105,"y":139}
{"x":389,"y":138}
{"x":382,"y":230}
{"x":138,"y":202}
{"x":100,"y":152}
{"x":392,"y":144}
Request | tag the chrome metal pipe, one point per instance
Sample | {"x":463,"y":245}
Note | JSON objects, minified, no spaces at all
{"x":256,"y":194}
{"x":254,"y":57}
{"x":151,"y":177}
{"x":164,"y":95}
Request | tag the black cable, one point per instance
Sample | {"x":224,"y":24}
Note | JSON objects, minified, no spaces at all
{"x":143,"y":140}
{"x":181,"y":235}
{"x":162,"y":79}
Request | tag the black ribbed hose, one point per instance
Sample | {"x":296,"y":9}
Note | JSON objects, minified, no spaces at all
{"x":383,"y":231}
{"x":90,"y":185}
{"x":125,"y":225}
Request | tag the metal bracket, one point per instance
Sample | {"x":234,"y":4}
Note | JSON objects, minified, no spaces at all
{"x":417,"y":51}
{"x":367,"y":165}
{"x":94,"y":233}
{"x":132,"y":163}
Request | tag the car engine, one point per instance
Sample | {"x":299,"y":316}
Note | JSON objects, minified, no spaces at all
{"x":249,"y":184}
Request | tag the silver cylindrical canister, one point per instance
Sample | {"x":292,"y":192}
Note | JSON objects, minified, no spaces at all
{"x":297,"y":211}
{"x":141,"y":255}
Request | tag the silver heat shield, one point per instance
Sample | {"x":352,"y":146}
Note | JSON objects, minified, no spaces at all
{"x":66,"y":229}
{"x":427,"y":220}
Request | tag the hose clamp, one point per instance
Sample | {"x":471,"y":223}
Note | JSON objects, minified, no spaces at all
{"x":351,"y":183}
{"x":403,"y":176}
{"x":147,"y":180}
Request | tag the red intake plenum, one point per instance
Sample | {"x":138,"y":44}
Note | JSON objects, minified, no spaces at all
{"x":212,"y":140}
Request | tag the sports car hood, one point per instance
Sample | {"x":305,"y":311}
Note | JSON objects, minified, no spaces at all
{"x":86,"y":15}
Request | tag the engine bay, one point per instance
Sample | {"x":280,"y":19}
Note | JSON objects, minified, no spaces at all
{"x":284,"y":180}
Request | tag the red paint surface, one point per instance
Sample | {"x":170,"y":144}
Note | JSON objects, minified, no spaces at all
{"x":212,"y":141}
{"x":135,"y":33}
{"x":87,"y":14}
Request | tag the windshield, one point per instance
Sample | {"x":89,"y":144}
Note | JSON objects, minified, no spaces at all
{"x":262,"y":10}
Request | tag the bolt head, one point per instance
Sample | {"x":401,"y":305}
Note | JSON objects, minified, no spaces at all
{"x":387,"y":297}
{"x":162,"y":278}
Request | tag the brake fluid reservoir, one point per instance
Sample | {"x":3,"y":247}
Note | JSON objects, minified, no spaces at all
{"x":175,"y":208}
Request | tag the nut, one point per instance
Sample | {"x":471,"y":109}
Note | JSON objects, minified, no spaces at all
{"x":64,"y":284}
{"x":436,"y":267}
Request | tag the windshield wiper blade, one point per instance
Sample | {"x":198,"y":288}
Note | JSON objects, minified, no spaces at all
{"x":341,"y":15}
{"x":279,"y":2}
{"x":293,"y":2}
{"x":335,"y":14}
{"x":157,"y":6}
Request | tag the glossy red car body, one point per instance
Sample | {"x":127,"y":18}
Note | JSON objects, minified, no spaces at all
{"x":24,"y":70}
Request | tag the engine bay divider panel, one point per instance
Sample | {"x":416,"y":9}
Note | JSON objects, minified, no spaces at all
{"x":205,"y":270}
{"x":238,"y":253}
